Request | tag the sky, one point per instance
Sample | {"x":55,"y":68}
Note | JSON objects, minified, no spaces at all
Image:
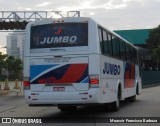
{"x":113,"y":14}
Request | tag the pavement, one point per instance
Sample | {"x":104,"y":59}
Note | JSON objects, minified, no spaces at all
{"x":2,"y":92}
{"x":146,"y":105}
{"x":12,"y":91}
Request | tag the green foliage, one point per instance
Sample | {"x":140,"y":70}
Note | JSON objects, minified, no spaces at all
{"x":156,"y":53}
{"x":17,"y":65}
{"x":2,"y":61}
{"x":153,"y":43}
{"x":12,"y":65}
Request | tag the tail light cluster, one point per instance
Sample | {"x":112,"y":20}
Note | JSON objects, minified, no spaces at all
{"x":26,"y":84}
{"x":94,"y":80}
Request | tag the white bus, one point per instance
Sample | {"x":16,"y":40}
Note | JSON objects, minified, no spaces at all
{"x":74,"y":61}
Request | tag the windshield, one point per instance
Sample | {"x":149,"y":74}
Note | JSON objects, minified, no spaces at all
{"x":59,"y":35}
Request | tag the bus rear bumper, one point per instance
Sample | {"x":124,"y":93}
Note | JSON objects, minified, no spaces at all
{"x":63,"y":98}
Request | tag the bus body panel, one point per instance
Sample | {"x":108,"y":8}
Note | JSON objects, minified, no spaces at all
{"x":57,"y":71}
{"x":115,"y":72}
{"x":57,"y":98}
{"x":78,"y":93}
{"x":61,"y":75}
{"x":111,"y":73}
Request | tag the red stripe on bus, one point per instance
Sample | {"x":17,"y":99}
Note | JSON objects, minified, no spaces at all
{"x":130,"y":77}
{"x":73,"y":74}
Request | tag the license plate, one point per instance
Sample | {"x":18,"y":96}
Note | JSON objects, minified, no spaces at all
{"x":58,"y":88}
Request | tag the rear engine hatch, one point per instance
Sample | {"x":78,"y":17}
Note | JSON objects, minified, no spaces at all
{"x":59,"y":74}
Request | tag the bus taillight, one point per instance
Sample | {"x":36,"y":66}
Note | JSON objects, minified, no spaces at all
{"x":94,"y":80}
{"x":26,"y":85}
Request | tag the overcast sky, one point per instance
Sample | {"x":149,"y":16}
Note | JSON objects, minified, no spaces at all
{"x":114,"y":14}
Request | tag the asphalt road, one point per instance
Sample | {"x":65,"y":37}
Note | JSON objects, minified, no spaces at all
{"x":146,"y":105}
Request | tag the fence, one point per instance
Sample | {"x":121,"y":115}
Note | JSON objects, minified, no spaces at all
{"x":150,"y":78}
{"x":11,"y":86}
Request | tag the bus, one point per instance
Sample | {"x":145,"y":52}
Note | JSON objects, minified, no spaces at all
{"x":74,"y":61}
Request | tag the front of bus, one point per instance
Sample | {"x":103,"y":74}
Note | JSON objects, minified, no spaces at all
{"x":58,"y":62}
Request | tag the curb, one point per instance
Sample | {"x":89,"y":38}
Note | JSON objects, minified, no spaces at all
{"x":3,"y":92}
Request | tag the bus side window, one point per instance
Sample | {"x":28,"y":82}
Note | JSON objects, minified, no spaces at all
{"x":122,"y":50}
{"x":118,"y":49}
{"x":109,"y":44}
{"x":130,"y":53}
{"x":100,"y":40}
{"x":127,"y":58}
{"x":115,"y":45}
{"x":105,"y":42}
{"x":135,"y":56}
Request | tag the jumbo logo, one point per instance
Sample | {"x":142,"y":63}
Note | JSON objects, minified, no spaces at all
{"x":60,"y":39}
{"x":59,"y":31}
{"x":111,"y":69}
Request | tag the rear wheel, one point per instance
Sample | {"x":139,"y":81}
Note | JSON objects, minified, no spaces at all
{"x":67,"y":108}
{"x":116,"y":104}
{"x":137,"y":90}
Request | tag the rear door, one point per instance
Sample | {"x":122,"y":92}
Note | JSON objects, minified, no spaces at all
{"x":59,"y":73}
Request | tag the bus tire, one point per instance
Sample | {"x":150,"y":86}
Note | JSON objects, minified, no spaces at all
{"x":67,"y":108}
{"x":137,"y":89}
{"x":116,"y":104}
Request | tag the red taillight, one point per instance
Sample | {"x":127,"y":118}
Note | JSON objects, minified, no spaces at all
{"x":94,"y":80}
{"x":26,"y":85}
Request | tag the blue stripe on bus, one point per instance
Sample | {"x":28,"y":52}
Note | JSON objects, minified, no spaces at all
{"x":37,"y":69}
{"x":86,"y":80}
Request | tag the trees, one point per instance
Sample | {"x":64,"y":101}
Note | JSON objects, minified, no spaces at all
{"x":17,"y":65}
{"x":12,"y":65}
{"x":2,"y":61}
{"x":156,"y":53}
{"x":153,"y":42}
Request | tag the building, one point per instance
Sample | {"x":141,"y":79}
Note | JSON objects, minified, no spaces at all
{"x":136,"y":37}
{"x":15,"y":44}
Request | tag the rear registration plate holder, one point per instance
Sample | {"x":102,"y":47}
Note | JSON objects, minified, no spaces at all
{"x":58,"y":88}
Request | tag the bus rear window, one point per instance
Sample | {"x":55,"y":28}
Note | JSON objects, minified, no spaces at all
{"x":59,"y":35}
